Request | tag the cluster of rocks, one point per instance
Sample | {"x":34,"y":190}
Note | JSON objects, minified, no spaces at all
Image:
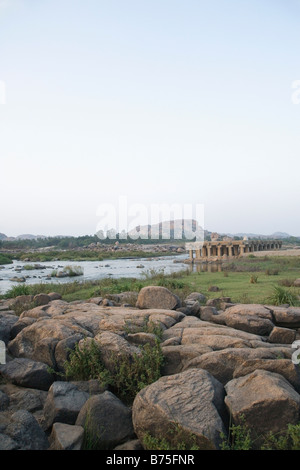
{"x":221,"y":360}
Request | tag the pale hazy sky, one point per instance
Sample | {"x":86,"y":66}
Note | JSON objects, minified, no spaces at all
{"x":160,"y":101}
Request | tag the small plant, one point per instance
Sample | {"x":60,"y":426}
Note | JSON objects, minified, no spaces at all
{"x":129,"y":377}
{"x":180,"y":439}
{"x":85,"y":363}
{"x":253,"y":279}
{"x":92,"y":436}
{"x":287,"y":440}
{"x":282,"y":296}
{"x":239,"y":437}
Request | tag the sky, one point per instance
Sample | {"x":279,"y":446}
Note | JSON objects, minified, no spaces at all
{"x":193,"y":102}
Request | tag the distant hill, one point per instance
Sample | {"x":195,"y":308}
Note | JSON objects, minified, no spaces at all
{"x":29,"y":236}
{"x":169,"y":229}
{"x":275,"y":235}
{"x":3,"y":236}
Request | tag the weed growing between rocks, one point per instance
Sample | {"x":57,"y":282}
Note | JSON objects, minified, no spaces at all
{"x":239,"y":438}
{"x":179,"y":439}
{"x":126,"y":376}
{"x":85,"y":363}
{"x":129,"y":377}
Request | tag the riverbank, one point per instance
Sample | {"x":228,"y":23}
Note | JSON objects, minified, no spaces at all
{"x":245,"y":280}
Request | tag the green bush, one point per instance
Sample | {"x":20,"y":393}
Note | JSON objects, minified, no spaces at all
{"x":129,"y":377}
{"x":126,"y":377}
{"x":85,"y":363}
{"x":282,"y":296}
{"x":179,"y":439}
{"x":15,"y":291}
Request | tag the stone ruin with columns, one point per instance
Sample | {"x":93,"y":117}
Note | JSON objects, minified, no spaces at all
{"x":218,"y":249}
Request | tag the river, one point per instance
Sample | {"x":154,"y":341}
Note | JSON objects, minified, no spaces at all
{"x":92,"y":270}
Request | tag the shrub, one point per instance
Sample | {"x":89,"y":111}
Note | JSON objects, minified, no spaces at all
{"x":129,"y":377}
{"x":253,"y":279}
{"x":85,"y":363}
{"x":126,"y":377}
{"x":238,"y":437}
{"x":288,"y":440}
{"x":15,"y":291}
{"x":179,"y":439}
{"x":282,"y":296}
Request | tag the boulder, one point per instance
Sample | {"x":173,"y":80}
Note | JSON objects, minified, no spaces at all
{"x":250,"y":323}
{"x":38,"y":341}
{"x":21,"y":431}
{"x":63,"y":403}
{"x":20,"y":398}
{"x":211,"y":314}
{"x":7,"y":321}
{"x":195,"y":297}
{"x":265,"y":400}
{"x":222,"y":364}
{"x":288,"y":317}
{"x":192,"y":401}
{"x":284,"y":367}
{"x":130,"y":445}
{"x":27,"y":373}
{"x":54,"y":296}
{"x":20,"y":300}
{"x":282,"y":335}
{"x":157,"y":297}
{"x":255,"y":310}
{"x":177,"y":356}
{"x":142,"y":338}
{"x":114,"y":348}
{"x":66,"y":437}
{"x":297,"y":283}
{"x":41,"y":299}
{"x":107,"y":420}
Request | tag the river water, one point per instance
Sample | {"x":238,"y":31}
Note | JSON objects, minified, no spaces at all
{"x":92,"y":270}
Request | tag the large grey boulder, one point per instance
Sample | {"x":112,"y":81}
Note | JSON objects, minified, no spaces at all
{"x":27,"y":373}
{"x":157,"y":297}
{"x":265,"y":400}
{"x":7,"y":321}
{"x":63,"y":403}
{"x":19,"y":398}
{"x":106,"y":420}
{"x":21,"y":431}
{"x":192,"y":400}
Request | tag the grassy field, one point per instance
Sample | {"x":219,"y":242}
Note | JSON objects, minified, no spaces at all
{"x":245,"y":280}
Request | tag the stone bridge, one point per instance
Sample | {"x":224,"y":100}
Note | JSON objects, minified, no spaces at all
{"x":202,"y":251}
